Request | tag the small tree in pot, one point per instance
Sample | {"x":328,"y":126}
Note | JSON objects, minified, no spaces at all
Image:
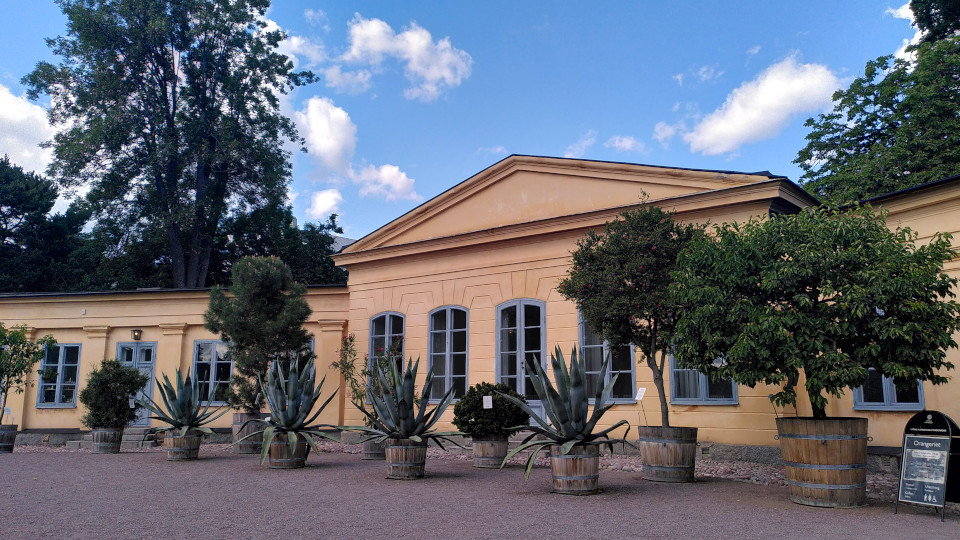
{"x":359,"y":380}
{"x":261,"y":320}
{"x":108,"y":396}
{"x":18,"y":355}
{"x":828,"y":295}
{"x":620,"y":280}
{"x":490,"y":428}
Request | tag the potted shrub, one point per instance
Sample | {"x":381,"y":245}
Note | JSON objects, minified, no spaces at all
{"x":402,"y":421}
{"x":829,"y":296}
{"x":18,"y":355}
{"x":185,"y":415}
{"x":568,"y":429}
{"x":291,"y":394}
{"x":489,"y":428}
{"x":260,"y":320}
{"x":107,"y":397}
{"x":620,"y":280}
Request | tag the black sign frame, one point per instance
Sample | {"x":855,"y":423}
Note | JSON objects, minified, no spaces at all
{"x":925,"y":461}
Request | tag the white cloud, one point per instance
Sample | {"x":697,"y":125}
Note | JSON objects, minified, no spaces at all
{"x":624,"y":144}
{"x":330,"y":134}
{"x":753,"y":50}
{"x":430,"y":66}
{"x":387,"y":181}
{"x":679,"y":78}
{"x":708,"y":73}
{"x":578,"y":148}
{"x":760,"y":108}
{"x":663,"y":131}
{"x":350,"y":82}
{"x":23,"y":126}
{"x":493,"y":150}
{"x":299,"y":46}
{"x":317,"y":17}
{"x":323,"y":203}
{"x":904,"y":12}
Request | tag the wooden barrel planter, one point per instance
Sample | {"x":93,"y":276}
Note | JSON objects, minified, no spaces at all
{"x":183,"y":448}
{"x":254,"y":444}
{"x":106,"y":441}
{"x":825,"y":460}
{"x":668,"y":454}
{"x":577,"y":472}
{"x":8,"y":437}
{"x":406,"y":459}
{"x":280,"y":456}
{"x":374,"y":450}
{"x":489,"y":451}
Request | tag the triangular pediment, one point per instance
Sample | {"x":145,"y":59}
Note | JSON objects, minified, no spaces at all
{"x":524,"y":189}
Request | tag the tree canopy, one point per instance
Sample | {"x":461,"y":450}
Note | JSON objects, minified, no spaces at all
{"x":171,"y":117}
{"x":896,"y":126}
{"x":620,"y":281}
{"x":824,"y":293}
{"x":937,"y":19}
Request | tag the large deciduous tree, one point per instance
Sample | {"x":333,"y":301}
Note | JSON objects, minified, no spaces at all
{"x":170,"y":114}
{"x":620,"y":281}
{"x":824,"y":293}
{"x":937,"y":19}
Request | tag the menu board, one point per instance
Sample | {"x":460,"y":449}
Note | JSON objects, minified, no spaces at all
{"x":923,"y":478}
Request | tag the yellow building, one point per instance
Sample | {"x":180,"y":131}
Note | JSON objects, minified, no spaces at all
{"x":468,"y":281}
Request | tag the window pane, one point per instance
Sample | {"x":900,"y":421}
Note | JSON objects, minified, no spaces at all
{"x":50,"y":374}
{"x":69,"y":374}
{"x":460,"y":387}
{"x":203,"y":374}
{"x":591,"y":384}
{"x":379,"y":326}
{"x":508,"y":365}
{"x":146,"y":355}
{"x":223,"y":371}
{"x":438,"y":342}
{"x":531,"y":339}
{"x":593,"y":358}
{"x":438,"y":320}
{"x":510,"y":381}
{"x":222,"y":349}
{"x":439,"y":364}
{"x":530,"y":393}
{"x":589,"y":336}
{"x":873,"y":388}
{"x":126,"y":354}
{"x":48,"y":394}
{"x":531,"y":358}
{"x":508,"y":317}
{"x":459,"y":364}
{"x":621,"y":360}
{"x":722,"y":389}
{"x":204,"y":352}
{"x":71,"y":355}
{"x":908,"y":395}
{"x":437,"y":388}
{"x":52,"y":357}
{"x":396,"y":324}
{"x":67,"y":393}
{"x":459,"y":319}
{"x":204,"y":389}
{"x":623,"y":388}
{"x":688,"y":383}
{"x":379,"y":347}
{"x":459,"y":340}
{"x":508,"y":340}
{"x":531,"y":315}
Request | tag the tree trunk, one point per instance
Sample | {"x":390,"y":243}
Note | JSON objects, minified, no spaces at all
{"x":658,"y":382}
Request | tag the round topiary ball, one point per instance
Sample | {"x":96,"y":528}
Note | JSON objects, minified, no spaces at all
{"x":471,"y":418}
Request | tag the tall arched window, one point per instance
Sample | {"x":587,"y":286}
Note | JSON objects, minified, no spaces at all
{"x":521,"y":337}
{"x":594,"y":349}
{"x":386,"y":338}
{"x":448,"y":350}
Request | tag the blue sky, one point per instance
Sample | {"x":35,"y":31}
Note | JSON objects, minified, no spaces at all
{"x":415,"y":97}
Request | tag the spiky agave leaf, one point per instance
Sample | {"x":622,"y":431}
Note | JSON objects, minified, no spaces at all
{"x":181,"y":408}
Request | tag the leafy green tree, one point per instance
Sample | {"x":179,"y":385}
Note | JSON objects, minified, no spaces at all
{"x":893,"y":128}
{"x":824,"y":293}
{"x":172,"y":116}
{"x":938,"y":19}
{"x":18,"y":355}
{"x":620,"y":281}
{"x":261,"y":321}
{"x":107,"y":393}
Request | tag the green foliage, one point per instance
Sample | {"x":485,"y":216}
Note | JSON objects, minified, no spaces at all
{"x":291,"y":396}
{"x":18,"y":355}
{"x":261,"y":321}
{"x":173,"y":116}
{"x":398,"y":412}
{"x":567,"y":407}
{"x":182,"y":405}
{"x":893,"y":128}
{"x":827,"y":293}
{"x":107,"y":395}
{"x":620,"y":281}
{"x":938,"y":19}
{"x":503,"y":419}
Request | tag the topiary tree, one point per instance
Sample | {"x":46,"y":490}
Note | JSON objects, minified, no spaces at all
{"x":827,"y":293}
{"x":18,"y":355}
{"x":620,"y":281}
{"x":107,"y":395}
{"x":261,"y":321}
{"x":502,"y":419}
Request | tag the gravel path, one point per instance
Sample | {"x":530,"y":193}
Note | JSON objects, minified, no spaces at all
{"x":52,"y":492}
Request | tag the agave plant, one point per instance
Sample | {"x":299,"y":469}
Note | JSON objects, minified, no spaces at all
{"x":182,"y":408}
{"x":567,"y":407}
{"x":398,"y":413}
{"x":291,"y":397}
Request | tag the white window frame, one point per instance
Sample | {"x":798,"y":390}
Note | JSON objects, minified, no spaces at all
{"x":214,"y":357}
{"x":607,"y":351}
{"x":519,"y":303}
{"x":889,"y":398}
{"x":44,"y":364}
{"x":704,"y":382}
{"x":448,"y":375}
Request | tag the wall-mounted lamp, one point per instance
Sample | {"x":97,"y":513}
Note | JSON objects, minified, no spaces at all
{"x":136,"y":334}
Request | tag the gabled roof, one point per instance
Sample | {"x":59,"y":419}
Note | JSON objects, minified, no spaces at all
{"x":525,"y":189}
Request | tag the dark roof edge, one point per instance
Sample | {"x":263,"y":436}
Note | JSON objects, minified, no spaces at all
{"x":904,"y":191}
{"x":134,"y":291}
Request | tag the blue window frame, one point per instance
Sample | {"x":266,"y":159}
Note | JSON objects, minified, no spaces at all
{"x":59,"y":373}
{"x":594,"y":349}
{"x":690,"y":387}
{"x":448,"y":350}
{"x":386,"y":338}
{"x":212,"y":367}
{"x":880,"y":394}
{"x":521,"y":337}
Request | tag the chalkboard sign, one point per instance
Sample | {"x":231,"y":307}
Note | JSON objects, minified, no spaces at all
{"x":923,"y":478}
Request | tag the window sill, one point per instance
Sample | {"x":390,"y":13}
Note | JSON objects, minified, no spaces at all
{"x":900,"y":407}
{"x":618,"y":401}
{"x":56,"y":405}
{"x":726,"y":402}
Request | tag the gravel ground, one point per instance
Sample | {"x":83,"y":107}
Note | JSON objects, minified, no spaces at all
{"x":54,"y":492}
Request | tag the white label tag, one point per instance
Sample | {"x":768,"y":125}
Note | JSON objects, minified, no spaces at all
{"x":640,"y":392}
{"x":6,"y":410}
{"x":133,"y":404}
{"x":487,"y":402}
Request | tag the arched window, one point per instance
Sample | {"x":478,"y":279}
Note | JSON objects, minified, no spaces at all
{"x":448,"y":348}
{"x":521,"y":338}
{"x":386,"y":338}
{"x":594,"y":349}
